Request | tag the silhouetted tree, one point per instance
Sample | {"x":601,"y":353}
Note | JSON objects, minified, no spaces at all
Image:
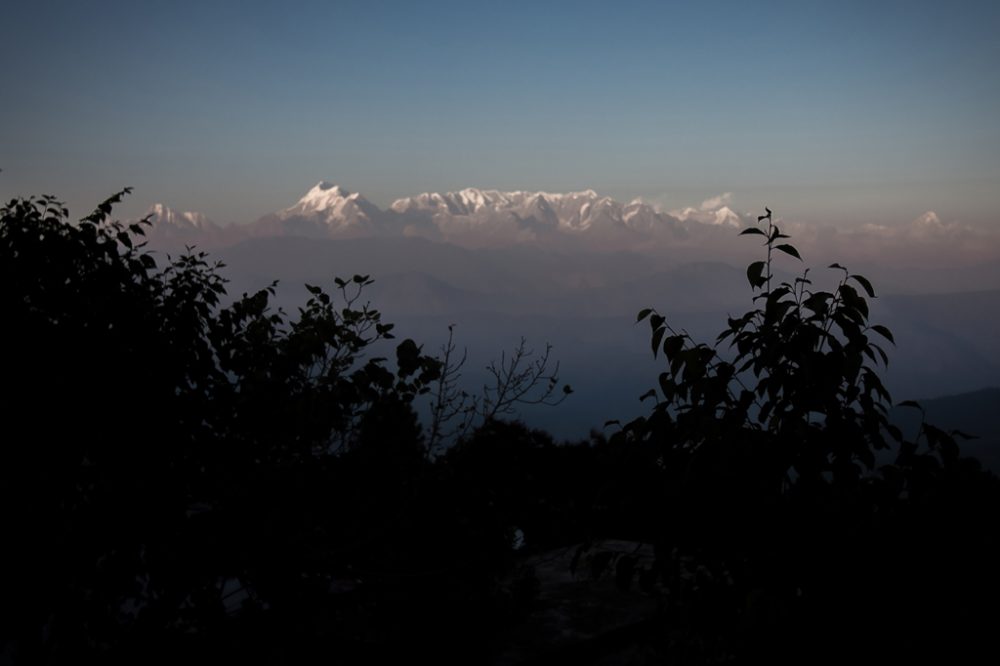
{"x":787,"y":490}
{"x":165,"y":458}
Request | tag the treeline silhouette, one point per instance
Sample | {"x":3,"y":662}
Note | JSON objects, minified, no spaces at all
{"x":183,"y":479}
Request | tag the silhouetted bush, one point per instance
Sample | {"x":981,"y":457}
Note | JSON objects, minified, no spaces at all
{"x":175,"y":472}
{"x":783,"y":476}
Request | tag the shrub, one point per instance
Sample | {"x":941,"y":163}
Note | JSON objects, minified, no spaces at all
{"x":796,"y":402}
{"x":781,"y":473}
{"x":165,"y":455}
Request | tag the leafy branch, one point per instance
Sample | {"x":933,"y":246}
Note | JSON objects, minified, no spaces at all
{"x":803,"y":370}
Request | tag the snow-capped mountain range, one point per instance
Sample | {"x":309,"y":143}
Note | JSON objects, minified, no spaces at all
{"x":470,"y":217}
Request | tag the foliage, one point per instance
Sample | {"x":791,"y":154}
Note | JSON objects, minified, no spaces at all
{"x":145,"y":422}
{"x":781,"y":472}
{"x":799,"y":383}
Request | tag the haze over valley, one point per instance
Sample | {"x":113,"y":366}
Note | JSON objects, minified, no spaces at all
{"x":573,"y":269}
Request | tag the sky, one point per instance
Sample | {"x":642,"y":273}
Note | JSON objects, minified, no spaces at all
{"x":830,"y":112}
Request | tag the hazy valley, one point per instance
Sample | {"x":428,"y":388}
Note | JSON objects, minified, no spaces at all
{"x":572,"y":270}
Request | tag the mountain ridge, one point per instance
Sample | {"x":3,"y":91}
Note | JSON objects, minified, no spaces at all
{"x":470,"y":217}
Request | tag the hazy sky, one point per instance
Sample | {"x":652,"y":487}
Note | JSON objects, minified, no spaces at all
{"x":871,"y":111}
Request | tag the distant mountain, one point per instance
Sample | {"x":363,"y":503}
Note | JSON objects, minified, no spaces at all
{"x":173,"y":230}
{"x":571,"y":212}
{"x":168,"y":218}
{"x":171,"y":227}
{"x":470,"y":218}
{"x":721,"y":216}
{"x":927,"y":254}
{"x":948,"y":343}
{"x":325,"y":211}
{"x":475,"y":217}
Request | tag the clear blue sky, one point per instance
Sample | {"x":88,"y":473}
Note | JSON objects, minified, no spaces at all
{"x":872,"y":110}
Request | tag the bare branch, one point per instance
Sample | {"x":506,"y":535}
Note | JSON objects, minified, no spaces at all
{"x":520,"y":381}
{"x":450,"y":402}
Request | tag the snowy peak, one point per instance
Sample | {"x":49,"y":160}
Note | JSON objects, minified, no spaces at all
{"x":685,"y":214}
{"x":930,"y":226}
{"x":929,"y":222}
{"x":322,"y":196}
{"x":464,"y":202}
{"x":532,"y":212}
{"x":334,"y":207}
{"x":471,"y":201}
{"x":326,"y":196}
{"x":165,"y":218}
{"x":714,"y":211}
{"x":726,"y":216}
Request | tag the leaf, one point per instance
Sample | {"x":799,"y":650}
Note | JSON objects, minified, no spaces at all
{"x":849,"y":295}
{"x":407,"y":357}
{"x":867,"y":351}
{"x":667,"y":387}
{"x":755,"y":273}
{"x":863,"y":281}
{"x":872,"y":382}
{"x":645,"y":312}
{"x":962,"y":435}
{"x":753,"y":230}
{"x":881,"y":352}
{"x":838,"y":266}
{"x":673,"y":345}
{"x":788,"y":249}
{"x":657,"y":337}
{"x":884,"y":332}
{"x":910,"y":403}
